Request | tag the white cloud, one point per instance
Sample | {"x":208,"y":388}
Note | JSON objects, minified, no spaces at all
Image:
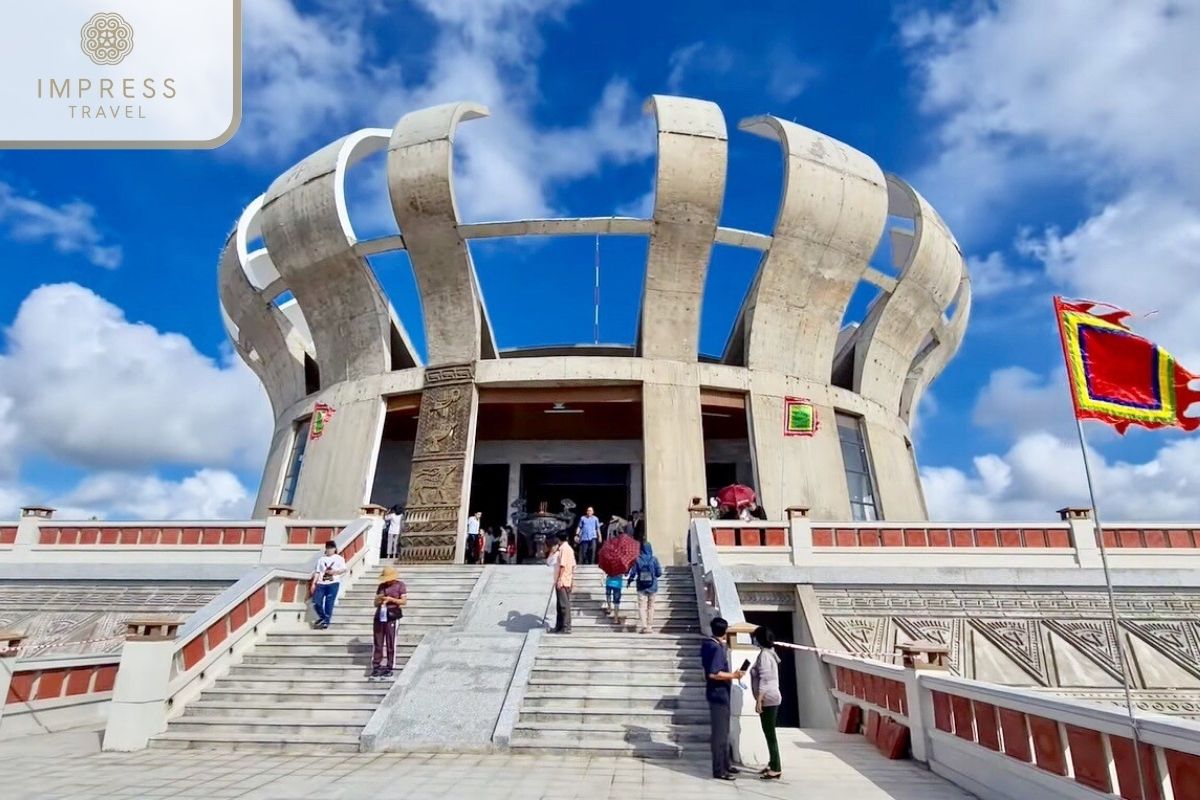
{"x":993,"y":276}
{"x":1139,"y":252}
{"x":1028,"y":92}
{"x":206,"y":494}
{"x":313,"y":77}
{"x":1018,"y":401}
{"x":68,"y":228}
{"x":1042,"y":472}
{"x":86,"y":386}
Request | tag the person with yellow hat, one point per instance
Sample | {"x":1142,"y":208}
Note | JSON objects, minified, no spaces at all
{"x":390,"y":598}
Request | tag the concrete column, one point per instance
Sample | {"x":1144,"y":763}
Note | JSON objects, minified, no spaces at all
{"x":10,"y":641}
{"x":275,"y":533}
{"x":1083,"y":536}
{"x":375,"y":535}
{"x":514,"y":488}
{"x":673,"y":441}
{"x":802,"y":539}
{"x":339,"y":466}
{"x":745,"y":730}
{"x":139,"y":703}
{"x":919,"y":720}
{"x":31,"y":520}
{"x":439,"y":488}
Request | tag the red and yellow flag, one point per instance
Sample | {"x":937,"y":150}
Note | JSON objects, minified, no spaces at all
{"x":1119,"y":377}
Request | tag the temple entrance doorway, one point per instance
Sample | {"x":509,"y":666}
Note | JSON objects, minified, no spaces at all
{"x":604,"y":487}
{"x":489,"y":493}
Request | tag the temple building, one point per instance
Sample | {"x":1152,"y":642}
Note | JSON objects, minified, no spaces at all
{"x":808,"y":410}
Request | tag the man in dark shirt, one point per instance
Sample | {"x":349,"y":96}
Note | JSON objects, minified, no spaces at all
{"x":717,"y":690}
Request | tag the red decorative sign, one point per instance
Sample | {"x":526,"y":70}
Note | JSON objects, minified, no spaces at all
{"x":799,"y":417}
{"x":322,"y":413}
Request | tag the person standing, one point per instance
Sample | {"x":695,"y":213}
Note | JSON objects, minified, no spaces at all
{"x":392,"y":522}
{"x":589,"y":533}
{"x":390,"y":597}
{"x":473,"y":538}
{"x":501,"y":544}
{"x":718,"y":691}
{"x":645,"y":572}
{"x":764,"y":683}
{"x":639,"y":526}
{"x":562,"y":561}
{"x":326,"y":578}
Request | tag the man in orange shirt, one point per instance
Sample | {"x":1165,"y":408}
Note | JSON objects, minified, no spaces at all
{"x":562,"y":561}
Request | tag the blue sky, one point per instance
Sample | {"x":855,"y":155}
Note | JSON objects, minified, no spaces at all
{"x":1057,"y":138}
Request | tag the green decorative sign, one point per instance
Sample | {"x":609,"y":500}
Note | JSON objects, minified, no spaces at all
{"x":799,"y":417}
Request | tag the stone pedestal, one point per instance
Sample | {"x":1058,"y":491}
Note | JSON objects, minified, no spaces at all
{"x":10,"y":642}
{"x":139,"y":703}
{"x":440,"y":484}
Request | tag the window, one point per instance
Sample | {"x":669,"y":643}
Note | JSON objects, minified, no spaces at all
{"x":288,"y":493}
{"x":859,"y":480}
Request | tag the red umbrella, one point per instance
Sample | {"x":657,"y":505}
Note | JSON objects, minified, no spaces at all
{"x":618,"y":554}
{"x":736,"y":496}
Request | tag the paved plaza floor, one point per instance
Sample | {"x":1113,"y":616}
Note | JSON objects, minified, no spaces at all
{"x":816,"y":765}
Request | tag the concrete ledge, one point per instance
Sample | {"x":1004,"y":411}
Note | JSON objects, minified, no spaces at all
{"x":1025,"y":577}
{"x":511,"y":710}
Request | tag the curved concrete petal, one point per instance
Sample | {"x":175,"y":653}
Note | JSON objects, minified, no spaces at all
{"x":933,"y":359}
{"x":689,"y":188}
{"x":265,"y":339}
{"x":900,"y":323}
{"x":831,"y":214}
{"x":420,"y":183}
{"x":308,"y":235}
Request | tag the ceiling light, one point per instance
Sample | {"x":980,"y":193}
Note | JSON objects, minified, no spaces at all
{"x":561,"y":408}
{"x":715,"y":414}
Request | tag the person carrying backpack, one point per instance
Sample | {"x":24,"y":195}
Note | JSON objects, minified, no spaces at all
{"x":645,"y":572}
{"x":390,"y":597}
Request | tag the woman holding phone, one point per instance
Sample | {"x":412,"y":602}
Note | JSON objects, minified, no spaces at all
{"x":764,"y":683}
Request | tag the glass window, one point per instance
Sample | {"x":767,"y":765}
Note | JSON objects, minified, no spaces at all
{"x":288,"y":493}
{"x":859,"y":480}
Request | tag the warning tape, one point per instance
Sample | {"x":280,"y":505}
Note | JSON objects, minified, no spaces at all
{"x":859,"y":656}
{"x":31,"y":648}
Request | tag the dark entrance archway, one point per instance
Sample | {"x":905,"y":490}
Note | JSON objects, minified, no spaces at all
{"x":605,"y":487}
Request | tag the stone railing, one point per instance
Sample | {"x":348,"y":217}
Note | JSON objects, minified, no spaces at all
{"x":52,"y":694}
{"x":1071,"y":543}
{"x":1000,"y":742}
{"x":39,"y":538}
{"x":165,"y":664}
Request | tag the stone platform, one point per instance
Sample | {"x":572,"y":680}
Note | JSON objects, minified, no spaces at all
{"x":817,"y":764}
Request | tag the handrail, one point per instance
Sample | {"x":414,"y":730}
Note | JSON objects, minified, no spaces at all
{"x":720,"y":593}
{"x":1000,"y":741}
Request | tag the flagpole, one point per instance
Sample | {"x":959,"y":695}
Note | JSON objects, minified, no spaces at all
{"x":1126,"y":679}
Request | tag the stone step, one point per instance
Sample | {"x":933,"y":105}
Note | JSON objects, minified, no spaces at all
{"x":325,"y":660}
{"x":300,"y":684}
{"x":692,"y":640}
{"x":647,"y":750}
{"x":371,"y":694}
{"x":624,"y":659}
{"x":361,"y":625}
{"x":329,"y":710}
{"x":258,"y":743}
{"x":335,"y":638}
{"x":352,"y":725}
{"x":615,"y":677}
{"x":554,"y":716}
{"x":589,"y":733}
{"x":315,"y":672}
{"x":603,"y":696}
{"x":353,"y":649}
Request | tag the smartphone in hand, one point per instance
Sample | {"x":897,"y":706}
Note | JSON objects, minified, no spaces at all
{"x":745,"y":666}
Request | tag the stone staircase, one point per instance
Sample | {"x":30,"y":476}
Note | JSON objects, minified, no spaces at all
{"x":606,"y":690}
{"x":307,"y":690}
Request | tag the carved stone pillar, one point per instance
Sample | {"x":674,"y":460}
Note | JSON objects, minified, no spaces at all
{"x":440,"y":484}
